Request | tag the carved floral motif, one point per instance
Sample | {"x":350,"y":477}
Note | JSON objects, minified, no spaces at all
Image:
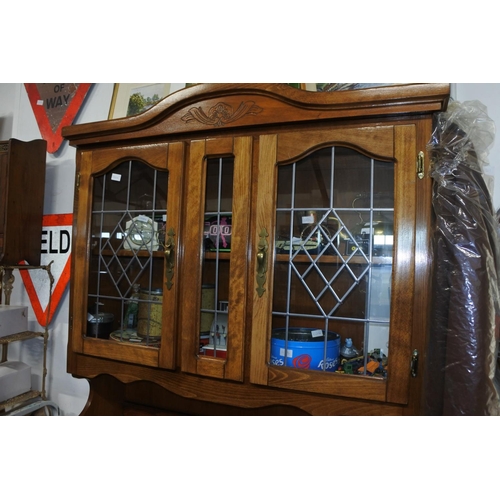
{"x":221,"y":114}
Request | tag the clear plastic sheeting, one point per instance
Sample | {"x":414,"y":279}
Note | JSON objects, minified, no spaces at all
{"x":463,"y":341}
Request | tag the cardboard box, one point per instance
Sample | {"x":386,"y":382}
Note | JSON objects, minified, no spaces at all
{"x":15,"y":379}
{"x":13,"y":319}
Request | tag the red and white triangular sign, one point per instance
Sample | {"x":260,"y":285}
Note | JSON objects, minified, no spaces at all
{"x":55,"y":105}
{"x":56,"y":248}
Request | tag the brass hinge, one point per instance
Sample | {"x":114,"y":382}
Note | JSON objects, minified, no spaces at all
{"x":420,"y":165}
{"x":414,"y":363}
{"x":77,"y":181}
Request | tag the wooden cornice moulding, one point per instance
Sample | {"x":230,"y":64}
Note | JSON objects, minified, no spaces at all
{"x":205,"y":106}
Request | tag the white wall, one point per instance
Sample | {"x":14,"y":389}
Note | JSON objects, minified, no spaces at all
{"x":489,"y":95}
{"x":17,"y":120}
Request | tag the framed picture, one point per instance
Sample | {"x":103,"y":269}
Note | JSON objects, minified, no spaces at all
{"x":134,"y":98}
{"x":332,"y":87}
{"x":300,"y":86}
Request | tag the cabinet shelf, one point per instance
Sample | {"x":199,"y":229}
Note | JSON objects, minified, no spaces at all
{"x":21,"y":398}
{"x":332,"y":259}
{"x":217,"y":255}
{"x":324,"y":259}
{"x":21,"y":336}
{"x":157,"y":254}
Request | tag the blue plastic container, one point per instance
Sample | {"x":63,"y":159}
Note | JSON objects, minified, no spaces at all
{"x":305,"y":349}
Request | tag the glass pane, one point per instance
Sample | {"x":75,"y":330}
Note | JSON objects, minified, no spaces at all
{"x":126,"y":264}
{"x":215,"y":305}
{"x":383,"y":185}
{"x":333,"y":262}
{"x":352,"y":187}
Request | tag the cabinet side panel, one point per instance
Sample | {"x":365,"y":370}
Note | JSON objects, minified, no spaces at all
{"x":80,"y":252}
{"x":404,"y":259}
{"x":4,"y":166}
{"x":423,"y":267}
{"x":24,"y":213}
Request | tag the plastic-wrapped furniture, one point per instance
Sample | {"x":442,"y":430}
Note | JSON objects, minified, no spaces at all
{"x":463,"y":341}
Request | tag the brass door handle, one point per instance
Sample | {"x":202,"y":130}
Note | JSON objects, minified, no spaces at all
{"x":170,"y":257}
{"x":420,"y":165}
{"x":262,"y":261}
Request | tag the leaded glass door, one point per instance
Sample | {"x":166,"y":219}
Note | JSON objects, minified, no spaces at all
{"x":216,"y":243}
{"x":333,"y":263}
{"x":334,"y":238}
{"x":129,"y":220}
{"x":128,"y":308}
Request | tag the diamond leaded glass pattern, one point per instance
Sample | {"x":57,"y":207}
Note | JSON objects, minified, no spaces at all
{"x":334,"y":229}
{"x":128,"y":231}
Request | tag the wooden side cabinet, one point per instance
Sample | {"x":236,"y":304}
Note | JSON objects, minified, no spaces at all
{"x":232,"y":243}
{"x":22,"y":187}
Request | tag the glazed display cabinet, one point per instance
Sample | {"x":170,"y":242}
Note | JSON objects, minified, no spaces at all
{"x":255,"y":249}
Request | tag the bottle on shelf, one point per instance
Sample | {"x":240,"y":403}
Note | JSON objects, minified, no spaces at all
{"x":348,"y":351}
{"x":131,"y":315}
